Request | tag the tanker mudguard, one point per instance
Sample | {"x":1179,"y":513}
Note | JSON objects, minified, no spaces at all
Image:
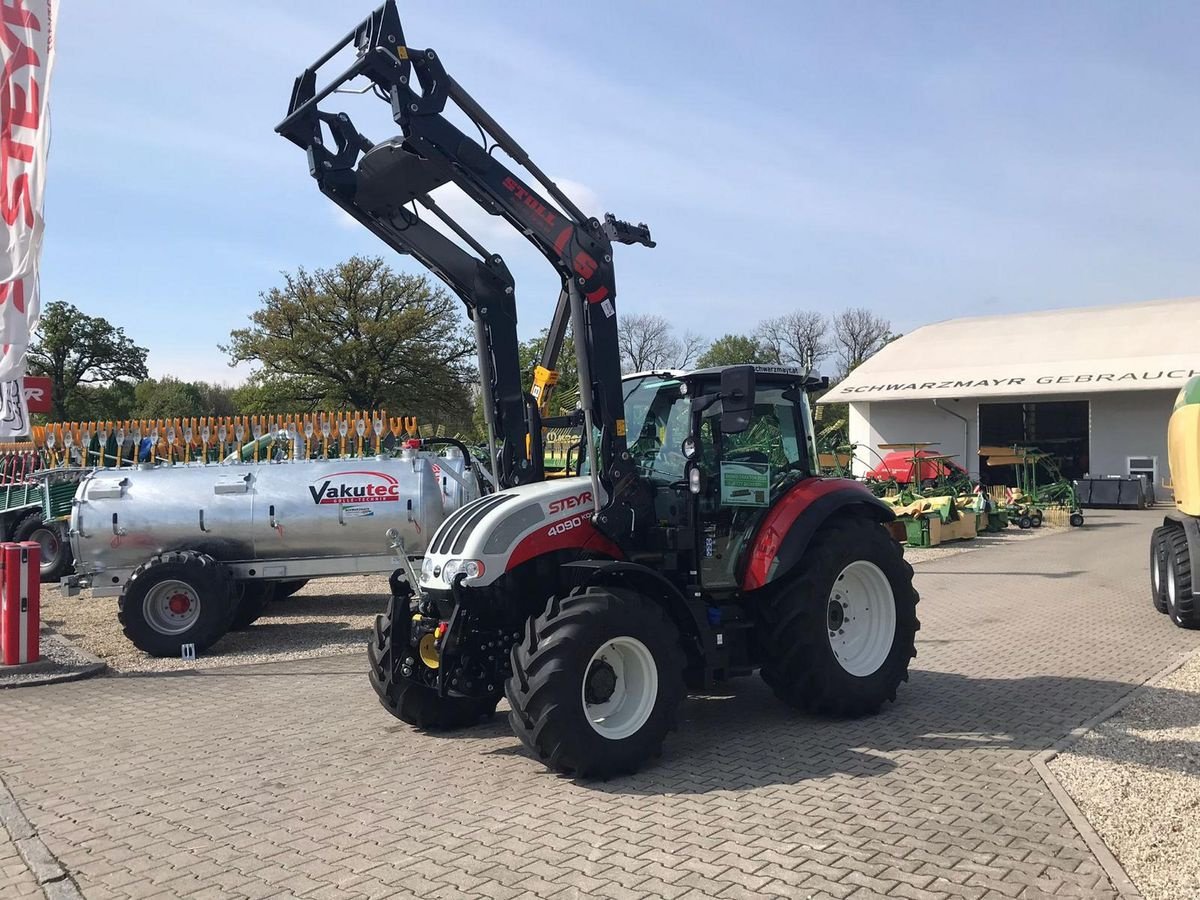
{"x":784,"y":535}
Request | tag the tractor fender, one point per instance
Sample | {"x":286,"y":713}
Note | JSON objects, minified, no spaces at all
{"x":689,"y":618}
{"x":788,"y":527}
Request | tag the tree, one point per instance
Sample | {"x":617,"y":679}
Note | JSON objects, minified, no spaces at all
{"x":78,"y":352}
{"x":859,"y":334}
{"x":797,"y":339}
{"x":734,"y":350}
{"x":649,"y":342}
{"x":359,"y":335}
{"x":167,"y":398}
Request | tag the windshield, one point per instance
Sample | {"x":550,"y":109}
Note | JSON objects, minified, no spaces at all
{"x":656,"y":422}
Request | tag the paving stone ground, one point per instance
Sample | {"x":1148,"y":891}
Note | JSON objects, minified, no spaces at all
{"x":289,"y":779}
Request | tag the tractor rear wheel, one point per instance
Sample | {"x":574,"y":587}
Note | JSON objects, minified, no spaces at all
{"x":1181,"y":604}
{"x":839,"y":635}
{"x":407,"y":700}
{"x":597,"y":682}
{"x":1158,"y":567}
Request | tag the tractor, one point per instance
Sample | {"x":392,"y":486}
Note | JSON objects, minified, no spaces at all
{"x":1175,"y":545}
{"x":694,"y":540}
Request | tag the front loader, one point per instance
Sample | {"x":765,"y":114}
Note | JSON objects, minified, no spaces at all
{"x":697,"y":542}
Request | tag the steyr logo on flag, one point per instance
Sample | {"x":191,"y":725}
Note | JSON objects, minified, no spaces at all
{"x":27,"y":55}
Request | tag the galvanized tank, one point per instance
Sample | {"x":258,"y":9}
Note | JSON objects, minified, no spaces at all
{"x":303,"y":509}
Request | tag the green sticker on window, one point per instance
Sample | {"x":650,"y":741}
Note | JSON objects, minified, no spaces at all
{"x":745,"y":484}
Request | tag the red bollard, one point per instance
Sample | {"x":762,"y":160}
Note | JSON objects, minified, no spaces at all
{"x":20,"y":602}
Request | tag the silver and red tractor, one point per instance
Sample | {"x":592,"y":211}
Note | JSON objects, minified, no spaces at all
{"x":696,"y":541}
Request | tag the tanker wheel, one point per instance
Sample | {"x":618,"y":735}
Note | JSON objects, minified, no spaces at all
{"x":1158,"y":567}
{"x":597,"y":682}
{"x":285,"y":589}
{"x":250,"y":602}
{"x":56,"y":549}
{"x":177,"y":598}
{"x":839,"y":635}
{"x":408,"y":700}
{"x":1181,"y":604}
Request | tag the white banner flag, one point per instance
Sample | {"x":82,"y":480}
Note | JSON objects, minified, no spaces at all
{"x":27,"y":54}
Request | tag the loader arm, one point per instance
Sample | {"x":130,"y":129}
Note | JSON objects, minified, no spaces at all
{"x":432,"y":152}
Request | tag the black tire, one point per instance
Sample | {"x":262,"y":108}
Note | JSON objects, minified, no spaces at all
{"x":1181,"y":605}
{"x":1076,"y":520}
{"x":800,"y":663}
{"x":251,"y":599}
{"x":409,"y":701}
{"x":212,"y":590}
{"x":1024,"y":522}
{"x":1035,"y":521}
{"x":56,"y":558}
{"x":558,"y":655}
{"x":285,"y":589}
{"x":1158,"y":567}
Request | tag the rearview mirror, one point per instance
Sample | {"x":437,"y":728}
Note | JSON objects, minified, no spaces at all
{"x":737,"y":399}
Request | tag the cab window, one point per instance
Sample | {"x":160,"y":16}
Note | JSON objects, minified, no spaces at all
{"x":656,"y":423}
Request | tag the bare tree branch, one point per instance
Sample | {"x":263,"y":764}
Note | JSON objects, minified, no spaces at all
{"x":859,"y":334}
{"x":798,"y":339}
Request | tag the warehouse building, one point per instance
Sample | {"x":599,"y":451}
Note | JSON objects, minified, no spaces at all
{"x":1093,"y":386}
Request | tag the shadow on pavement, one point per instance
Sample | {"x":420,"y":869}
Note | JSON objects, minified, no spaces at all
{"x":746,"y":739}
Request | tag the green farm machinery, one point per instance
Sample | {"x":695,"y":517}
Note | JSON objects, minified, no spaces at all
{"x":1040,"y":485}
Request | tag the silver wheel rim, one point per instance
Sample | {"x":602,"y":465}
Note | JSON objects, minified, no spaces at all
{"x":1156,"y":569}
{"x":620,"y":687}
{"x":50,"y":546}
{"x":171,"y":607}
{"x":861,"y":618}
{"x":1170,"y":584}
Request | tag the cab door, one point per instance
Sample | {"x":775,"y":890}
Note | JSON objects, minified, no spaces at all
{"x":744,"y":473}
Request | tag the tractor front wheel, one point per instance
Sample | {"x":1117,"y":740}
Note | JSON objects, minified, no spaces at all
{"x":407,"y":700}
{"x":840,"y":634}
{"x":596,"y":682}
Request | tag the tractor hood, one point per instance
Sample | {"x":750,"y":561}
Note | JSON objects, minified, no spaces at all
{"x":497,"y":533}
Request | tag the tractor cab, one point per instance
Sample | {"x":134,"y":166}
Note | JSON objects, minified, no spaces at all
{"x":719,"y":447}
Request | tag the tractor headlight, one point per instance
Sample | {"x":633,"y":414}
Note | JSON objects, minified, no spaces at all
{"x":427,"y":568}
{"x":689,"y":447}
{"x":471,"y":568}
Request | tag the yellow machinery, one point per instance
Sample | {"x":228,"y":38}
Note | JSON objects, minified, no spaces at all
{"x":1175,"y":545}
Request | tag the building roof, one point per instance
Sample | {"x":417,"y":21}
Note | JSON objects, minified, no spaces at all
{"x":1089,"y":350}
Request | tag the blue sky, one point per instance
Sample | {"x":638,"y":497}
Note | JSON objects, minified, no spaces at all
{"x":925,"y":160}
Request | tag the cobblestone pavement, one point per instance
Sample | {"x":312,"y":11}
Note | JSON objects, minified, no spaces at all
{"x":290,"y":779}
